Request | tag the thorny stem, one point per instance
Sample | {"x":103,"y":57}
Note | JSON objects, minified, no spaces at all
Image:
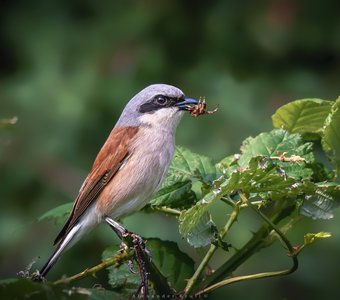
{"x":192,"y":281}
{"x":275,"y":228}
{"x":241,"y":205}
{"x":114,"y":260}
{"x":256,"y":245}
{"x":167,"y":210}
{"x":238,"y":258}
{"x":244,"y":205}
{"x":163,"y":209}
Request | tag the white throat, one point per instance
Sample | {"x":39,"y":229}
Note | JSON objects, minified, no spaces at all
{"x":165,"y":119}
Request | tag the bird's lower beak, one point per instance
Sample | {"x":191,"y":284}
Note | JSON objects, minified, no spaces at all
{"x":185,"y":105}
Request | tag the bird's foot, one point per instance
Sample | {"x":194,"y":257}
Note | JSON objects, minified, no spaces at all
{"x":141,"y":255}
{"x":37,"y":277}
{"x":131,"y":266}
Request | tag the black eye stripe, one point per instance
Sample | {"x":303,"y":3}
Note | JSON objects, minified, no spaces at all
{"x":158,"y":102}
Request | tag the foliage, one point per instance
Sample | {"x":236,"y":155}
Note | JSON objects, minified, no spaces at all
{"x":58,"y":214}
{"x":314,"y":118}
{"x":276,"y":174}
{"x":175,"y":265}
{"x":15,"y":288}
{"x":67,"y":68}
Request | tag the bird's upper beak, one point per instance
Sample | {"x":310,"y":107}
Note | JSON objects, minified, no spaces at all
{"x":184,"y":105}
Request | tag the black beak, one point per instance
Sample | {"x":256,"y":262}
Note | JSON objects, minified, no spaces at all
{"x":184,"y":105}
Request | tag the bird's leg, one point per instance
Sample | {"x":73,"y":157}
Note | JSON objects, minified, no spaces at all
{"x":140,"y":253}
{"x":121,"y":232}
{"x":117,"y":228}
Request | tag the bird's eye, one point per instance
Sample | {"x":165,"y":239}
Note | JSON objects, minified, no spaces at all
{"x":161,"y":100}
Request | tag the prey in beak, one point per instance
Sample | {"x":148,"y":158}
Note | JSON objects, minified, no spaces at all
{"x":196,"y":108}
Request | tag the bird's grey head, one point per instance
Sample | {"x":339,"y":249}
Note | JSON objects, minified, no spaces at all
{"x":157,"y":105}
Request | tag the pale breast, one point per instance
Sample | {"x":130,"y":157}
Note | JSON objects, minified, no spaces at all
{"x":141,"y":176}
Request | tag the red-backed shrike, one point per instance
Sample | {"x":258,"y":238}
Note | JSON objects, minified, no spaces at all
{"x":129,"y":168}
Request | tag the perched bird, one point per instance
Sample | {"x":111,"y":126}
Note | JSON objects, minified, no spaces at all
{"x":130,"y":166}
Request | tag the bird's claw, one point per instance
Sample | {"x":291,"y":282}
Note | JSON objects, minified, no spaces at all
{"x":37,"y":277}
{"x":131,"y":266}
{"x":148,"y":254}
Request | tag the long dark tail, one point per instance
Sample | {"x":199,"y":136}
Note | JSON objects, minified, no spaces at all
{"x":62,"y":246}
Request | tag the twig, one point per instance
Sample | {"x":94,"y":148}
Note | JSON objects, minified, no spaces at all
{"x":243,"y":278}
{"x":292,"y":254}
{"x":240,"y":205}
{"x":167,"y":210}
{"x":284,"y":158}
{"x":275,"y":228}
{"x":114,"y":260}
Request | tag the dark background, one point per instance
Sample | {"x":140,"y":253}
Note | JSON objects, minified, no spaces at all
{"x":67,"y":68}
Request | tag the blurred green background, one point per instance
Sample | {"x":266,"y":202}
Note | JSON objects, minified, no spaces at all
{"x":67,"y":68}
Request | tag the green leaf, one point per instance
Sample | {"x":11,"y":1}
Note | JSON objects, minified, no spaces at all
{"x":175,"y":265}
{"x":185,"y":169}
{"x":310,"y":238}
{"x":120,"y":277}
{"x":57,"y":214}
{"x":19,"y":288}
{"x":331,"y":134}
{"x":176,"y":195}
{"x":318,"y":206}
{"x":306,"y":116}
{"x":262,"y":177}
{"x":95,"y":294}
{"x":258,"y":178}
{"x":194,"y":224}
{"x":188,"y":164}
{"x":275,"y":143}
{"x":203,"y":232}
{"x":227,"y":165}
{"x":321,"y":202}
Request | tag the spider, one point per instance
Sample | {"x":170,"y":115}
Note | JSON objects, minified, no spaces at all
{"x":201,"y":109}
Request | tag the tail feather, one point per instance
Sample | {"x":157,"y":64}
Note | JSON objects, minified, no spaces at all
{"x":63,"y":245}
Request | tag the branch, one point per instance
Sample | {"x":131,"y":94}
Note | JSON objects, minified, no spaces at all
{"x":255,"y":244}
{"x":278,"y":231}
{"x":243,"y":278}
{"x":166,"y":210}
{"x":114,"y":260}
{"x":292,"y":254}
{"x":284,"y":158}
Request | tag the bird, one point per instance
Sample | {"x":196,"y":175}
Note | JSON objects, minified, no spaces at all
{"x":129,"y":168}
